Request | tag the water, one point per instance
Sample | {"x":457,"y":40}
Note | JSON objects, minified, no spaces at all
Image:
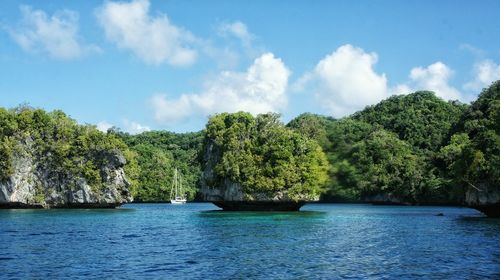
{"x":193,"y":241}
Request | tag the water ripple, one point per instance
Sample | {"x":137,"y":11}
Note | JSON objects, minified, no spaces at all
{"x":196,"y":241}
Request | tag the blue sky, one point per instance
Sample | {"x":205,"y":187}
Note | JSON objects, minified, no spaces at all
{"x":148,"y":65}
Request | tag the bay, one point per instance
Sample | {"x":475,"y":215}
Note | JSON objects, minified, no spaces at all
{"x":197,"y":241}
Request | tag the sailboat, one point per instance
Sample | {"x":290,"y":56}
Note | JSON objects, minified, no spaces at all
{"x":176,"y":194}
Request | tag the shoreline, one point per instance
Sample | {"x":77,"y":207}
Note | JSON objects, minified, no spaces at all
{"x":490,"y":211}
{"x":113,"y":206}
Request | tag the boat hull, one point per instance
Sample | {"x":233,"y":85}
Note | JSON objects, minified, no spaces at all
{"x":173,"y":201}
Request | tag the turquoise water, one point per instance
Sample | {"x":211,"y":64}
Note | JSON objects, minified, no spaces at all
{"x":192,"y":241}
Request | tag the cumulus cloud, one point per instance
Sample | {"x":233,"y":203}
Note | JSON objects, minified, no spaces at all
{"x":134,"y":127}
{"x":434,"y":77}
{"x":345,"y":81}
{"x":56,"y":35}
{"x":104,"y":126}
{"x":154,"y":39}
{"x":485,"y":72}
{"x":260,"y":89}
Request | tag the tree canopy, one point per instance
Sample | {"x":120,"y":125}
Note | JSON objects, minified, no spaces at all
{"x":472,"y":156}
{"x":68,"y":149}
{"x":264,"y":156}
{"x":158,"y":154}
{"x":417,"y":147}
{"x":398,"y":147}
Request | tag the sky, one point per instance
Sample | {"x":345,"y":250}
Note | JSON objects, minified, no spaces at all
{"x":167,"y":65}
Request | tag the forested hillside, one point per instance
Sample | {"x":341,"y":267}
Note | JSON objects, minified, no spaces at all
{"x":387,"y":152}
{"x":471,"y":157}
{"x":416,"y":149}
{"x":158,"y":154}
{"x":412,"y":149}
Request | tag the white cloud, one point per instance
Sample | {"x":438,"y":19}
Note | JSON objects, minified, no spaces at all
{"x":56,"y":35}
{"x":485,"y":72}
{"x":400,"y":89}
{"x":239,"y":30}
{"x":260,"y":89}
{"x":435,"y":78}
{"x":238,"y":44}
{"x":477,"y":52}
{"x":154,"y":39}
{"x":104,"y":126}
{"x":171,"y":110}
{"x":345,"y":81}
{"x":302,"y":83}
{"x":134,"y":127}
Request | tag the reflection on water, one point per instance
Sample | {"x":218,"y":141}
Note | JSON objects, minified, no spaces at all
{"x":197,"y":241}
{"x":275,"y":214}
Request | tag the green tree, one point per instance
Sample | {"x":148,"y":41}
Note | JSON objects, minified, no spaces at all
{"x":420,"y":118}
{"x":472,"y":156}
{"x":157,"y":154}
{"x":264,"y":156}
{"x":55,"y":141}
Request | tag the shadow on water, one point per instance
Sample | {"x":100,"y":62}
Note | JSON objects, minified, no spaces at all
{"x":479,"y":220}
{"x":261,"y":214}
{"x":71,"y":211}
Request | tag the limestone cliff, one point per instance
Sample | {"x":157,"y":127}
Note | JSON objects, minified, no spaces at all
{"x":35,"y":184}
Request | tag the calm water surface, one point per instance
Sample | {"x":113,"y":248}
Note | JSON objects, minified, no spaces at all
{"x":326,"y":241}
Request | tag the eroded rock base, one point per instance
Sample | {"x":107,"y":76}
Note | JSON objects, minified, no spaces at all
{"x":492,"y":210}
{"x":259,"y":205}
{"x":18,"y":205}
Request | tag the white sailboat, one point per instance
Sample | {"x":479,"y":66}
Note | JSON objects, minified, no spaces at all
{"x":176,"y":194}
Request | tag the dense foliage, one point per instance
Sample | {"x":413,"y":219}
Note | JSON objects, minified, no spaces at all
{"x":390,"y":148}
{"x":417,"y":147}
{"x":159,"y":153}
{"x":265,"y":157}
{"x":421,"y":119}
{"x":57,"y":142}
{"x":472,"y":156}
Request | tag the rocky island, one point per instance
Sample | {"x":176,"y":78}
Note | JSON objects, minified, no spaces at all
{"x":477,"y":152}
{"x":413,"y":149}
{"x":256,"y":163}
{"x":49,"y":161}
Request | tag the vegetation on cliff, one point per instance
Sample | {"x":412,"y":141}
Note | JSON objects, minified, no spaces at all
{"x":472,"y":156}
{"x":62,"y":150}
{"x":388,"y":149}
{"x":414,"y":148}
{"x":264,"y":157}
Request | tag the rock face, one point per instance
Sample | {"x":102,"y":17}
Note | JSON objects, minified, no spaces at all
{"x":485,"y":198}
{"x":34,"y":185}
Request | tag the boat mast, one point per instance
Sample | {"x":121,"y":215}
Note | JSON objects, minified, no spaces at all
{"x":176,"y":184}
{"x":180,"y":186}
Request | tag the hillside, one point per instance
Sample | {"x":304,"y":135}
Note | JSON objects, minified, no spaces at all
{"x":408,"y":149}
